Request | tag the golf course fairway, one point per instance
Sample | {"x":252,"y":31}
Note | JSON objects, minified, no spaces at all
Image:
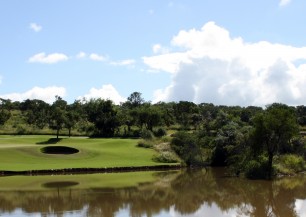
{"x":25,"y":153}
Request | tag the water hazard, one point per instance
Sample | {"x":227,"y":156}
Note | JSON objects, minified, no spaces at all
{"x":202,"y":193}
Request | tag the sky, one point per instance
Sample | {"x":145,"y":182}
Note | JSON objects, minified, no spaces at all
{"x":223,"y":52}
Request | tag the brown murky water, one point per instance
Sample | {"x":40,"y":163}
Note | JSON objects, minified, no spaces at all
{"x":205,"y":193}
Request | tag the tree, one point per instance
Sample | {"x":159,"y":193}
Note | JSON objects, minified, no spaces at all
{"x":150,"y":116}
{"x":274,"y":128}
{"x":36,"y":112}
{"x":4,"y":116}
{"x":301,"y":113}
{"x":187,"y":147}
{"x":58,"y":116}
{"x":73,"y":116}
{"x":135,"y":99}
{"x":183,"y":111}
{"x":125,"y":116}
{"x":103,"y":114}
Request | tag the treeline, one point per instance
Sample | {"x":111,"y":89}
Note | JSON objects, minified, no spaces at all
{"x":249,"y":139}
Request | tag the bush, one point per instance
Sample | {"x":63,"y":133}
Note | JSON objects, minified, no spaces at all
{"x":165,"y":157}
{"x":290,"y":164}
{"x":257,"y":169}
{"x":21,"y":130}
{"x":146,"y":134}
{"x":160,"y":132}
{"x":145,"y":144}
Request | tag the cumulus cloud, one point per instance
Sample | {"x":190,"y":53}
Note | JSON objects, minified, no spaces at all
{"x":48,"y":59}
{"x":97,"y":57}
{"x":106,"y":92}
{"x":35,"y":27}
{"x":158,"y":49}
{"x":214,"y":67}
{"x":284,"y":2}
{"x":46,"y":94}
{"x":123,"y":62}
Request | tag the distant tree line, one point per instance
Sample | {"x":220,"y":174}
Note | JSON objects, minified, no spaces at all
{"x":248,"y":139}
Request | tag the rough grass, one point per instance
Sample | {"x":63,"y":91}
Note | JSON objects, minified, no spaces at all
{"x":19,"y":153}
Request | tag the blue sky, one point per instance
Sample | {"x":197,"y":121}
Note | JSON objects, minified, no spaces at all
{"x":225,"y":52}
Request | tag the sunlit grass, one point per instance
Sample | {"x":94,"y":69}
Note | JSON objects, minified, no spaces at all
{"x":19,"y":153}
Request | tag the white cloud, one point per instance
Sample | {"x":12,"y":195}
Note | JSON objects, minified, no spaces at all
{"x":214,"y":67}
{"x":106,"y":92}
{"x":158,"y":49}
{"x":284,"y":2}
{"x":48,"y":59}
{"x":81,"y":55}
{"x":46,"y":94}
{"x":35,"y":27}
{"x":123,"y":62}
{"x":97,"y":57}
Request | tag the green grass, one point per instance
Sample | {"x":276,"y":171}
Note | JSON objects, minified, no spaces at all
{"x":19,"y":153}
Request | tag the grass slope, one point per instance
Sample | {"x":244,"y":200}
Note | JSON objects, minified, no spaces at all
{"x":19,"y":153}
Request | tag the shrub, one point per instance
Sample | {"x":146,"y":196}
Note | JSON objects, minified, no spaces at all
{"x":160,"y":132}
{"x":165,"y":157}
{"x":21,"y":130}
{"x":145,"y":144}
{"x":289,"y":164}
{"x":257,"y":169}
{"x":146,"y":134}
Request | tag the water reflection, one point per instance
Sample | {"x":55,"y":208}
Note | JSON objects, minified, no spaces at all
{"x":58,"y":185}
{"x":181,"y":193}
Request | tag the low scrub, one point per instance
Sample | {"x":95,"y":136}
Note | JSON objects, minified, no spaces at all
{"x":165,"y":154}
{"x":166,"y":157}
{"x":257,"y":169}
{"x":290,"y":164}
{"x":146,"y":134}
{"x":145,"y":143}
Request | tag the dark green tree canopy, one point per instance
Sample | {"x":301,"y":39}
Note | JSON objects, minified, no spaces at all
{"x":274,"y":129}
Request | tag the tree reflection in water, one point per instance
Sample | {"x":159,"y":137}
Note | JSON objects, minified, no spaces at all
{"x":187,"y":192}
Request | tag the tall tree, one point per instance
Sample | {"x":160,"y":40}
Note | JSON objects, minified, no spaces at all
{"x":103,"y":114}
{"x":135,"y":99}
{"x":274,"y":128}
{"x":183,"y":111}
{"x":150,"y":116}
{"x":58,"y":116}
{"x":74,"y":115}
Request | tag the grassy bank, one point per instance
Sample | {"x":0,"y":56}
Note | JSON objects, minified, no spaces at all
{"x":20,"y":153}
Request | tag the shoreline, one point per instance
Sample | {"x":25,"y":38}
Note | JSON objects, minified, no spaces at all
{"x":69,"y":171}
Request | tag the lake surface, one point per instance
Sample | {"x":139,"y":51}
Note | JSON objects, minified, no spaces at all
{"x":205,"y":193}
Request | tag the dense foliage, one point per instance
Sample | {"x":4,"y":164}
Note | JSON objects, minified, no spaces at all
{"x":250,"y":140}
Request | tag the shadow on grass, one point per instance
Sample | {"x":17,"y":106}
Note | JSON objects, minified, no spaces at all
{"x":50,"y":141}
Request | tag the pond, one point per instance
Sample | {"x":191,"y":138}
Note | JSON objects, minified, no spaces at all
{"x":204,"y":192}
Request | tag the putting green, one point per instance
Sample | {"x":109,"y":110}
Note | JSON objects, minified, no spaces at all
{"x":20,"y":153}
